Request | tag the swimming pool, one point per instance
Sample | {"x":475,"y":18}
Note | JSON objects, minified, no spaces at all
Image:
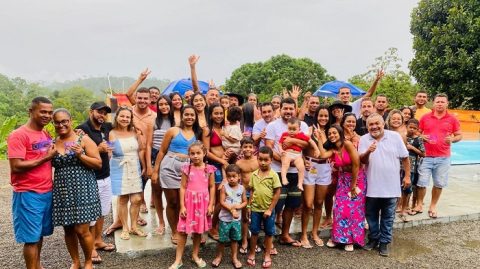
{"x":466,"y":152}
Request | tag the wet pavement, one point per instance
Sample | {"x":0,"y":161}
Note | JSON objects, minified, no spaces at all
{"x":454,"y":242}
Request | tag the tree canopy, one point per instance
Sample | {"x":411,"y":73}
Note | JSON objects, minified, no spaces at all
{"x":447,"y":49}
{"x":272,"y":76}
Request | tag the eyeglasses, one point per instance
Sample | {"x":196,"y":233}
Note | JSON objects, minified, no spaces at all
{"x":61,"y":123}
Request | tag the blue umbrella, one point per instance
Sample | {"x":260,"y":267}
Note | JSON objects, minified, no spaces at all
{"x":330,"y":89}
{"x":183,"y":85}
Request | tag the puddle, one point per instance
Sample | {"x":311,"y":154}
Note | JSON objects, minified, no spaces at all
{"x":472,"y":244}
{"x":403,"y":249}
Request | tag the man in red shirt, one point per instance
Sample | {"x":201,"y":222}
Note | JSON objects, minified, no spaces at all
{"x":440,"y":129}
{"x":30,"y":150}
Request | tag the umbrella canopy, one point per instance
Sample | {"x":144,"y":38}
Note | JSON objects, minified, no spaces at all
{"x":183,"y":85}
{"x":331,"y":89}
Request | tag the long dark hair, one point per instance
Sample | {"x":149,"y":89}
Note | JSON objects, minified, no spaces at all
{"x":320,"y":107}
{"x":345,"y":116}
{"x":248,"y":115}
{"x":209,"y":118}
{"x":172,"y":94}
{"x":196,"y":127}
{"x":160,"y":116}
{"x":206,"y":104}
{"x":329,"y":145}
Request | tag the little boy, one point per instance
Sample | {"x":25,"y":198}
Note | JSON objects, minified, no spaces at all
{"x":416,"y":151}
{"x":294,"y":152}
{"x":232,"y":199}
{"x":265,"y":186}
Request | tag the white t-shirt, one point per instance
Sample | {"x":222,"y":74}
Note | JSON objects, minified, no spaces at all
{"x":258,"y":128}
{"x":356,"y":107}
{"x":275,"y":129}
{"x":383,"y":169}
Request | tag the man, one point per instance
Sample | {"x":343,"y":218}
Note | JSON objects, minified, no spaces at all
{"x":188,"y":95}
{"x":345,"y":95}
{"x":30,"y":150}
{"x":381,"y":105}
{"x":98,"y":130}
{"x":420,"y":109}
{"x":154,"y":95}
{"x":290,"y":198}
{"x":235,"y":99}
{"x":153,"y":91}
{"x":212,"y":96}
{"x":259,"y":129}
{"x":381,"y":150}
{"x":366,"y":111}
{"x":312,"y":104}
{"x":440,"y":129}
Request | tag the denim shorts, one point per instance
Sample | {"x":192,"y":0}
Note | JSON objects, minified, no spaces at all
{"x":32,"y":216}
{"x":256,"y":219}
{"x":436,"y":168}
{"x":218,"y":173}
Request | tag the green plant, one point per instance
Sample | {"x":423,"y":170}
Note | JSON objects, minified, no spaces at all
{"x":8,"y":126}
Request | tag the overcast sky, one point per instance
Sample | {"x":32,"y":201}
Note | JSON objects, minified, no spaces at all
{"x":68,"y":39}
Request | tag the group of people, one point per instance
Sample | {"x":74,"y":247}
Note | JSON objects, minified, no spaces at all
{"x":228,"y":169}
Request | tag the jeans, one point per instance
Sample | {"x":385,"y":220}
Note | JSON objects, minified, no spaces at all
{"x":380,"y":214}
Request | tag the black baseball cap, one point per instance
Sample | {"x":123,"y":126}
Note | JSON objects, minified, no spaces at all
{"x":99,"y":106}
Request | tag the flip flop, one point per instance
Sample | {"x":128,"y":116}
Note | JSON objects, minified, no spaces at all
{"x":306,"y":246}
{"x":216,"y":264}
{"x":141,"y":222}
{"x":214,"y":236}
{"x":176,"y":266}
{"x":318,"y":242}
{"x":237,"y":265}
{"x":432,"y":214}
{"x":174,"y":240}
{"x":404,"y":218}
{"x":243,"y":250}
{"x":111,"y":231}
{"x":160,"y":230}
{"x":107,"y":247}
{"x":293,"y":243}
{"x":97,"y":259}
{"x":251,"y":262}
{"x":267,"y":264}
{"x":258,"y":249}
{"x":138,"y":232}
{"x":414,"y":212}
{"x":125,"y":235}
{"x":200,"y":263}
{"x":143,"y":209}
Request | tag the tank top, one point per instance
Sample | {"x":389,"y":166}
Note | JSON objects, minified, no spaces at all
{"x":343,"y":160}
{"x":180,"y":144}
{"x":215,"y":139}
{"x":232,"y":197}
{"x":159,"y":133}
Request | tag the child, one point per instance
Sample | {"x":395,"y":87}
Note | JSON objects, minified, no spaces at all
{"x":416,"y":151}
{"x":294,"y":152}
{"x":265,"y":186}
{"x":232,"y":134}
{"x":232,"y":199}
{"x":197,"y":201}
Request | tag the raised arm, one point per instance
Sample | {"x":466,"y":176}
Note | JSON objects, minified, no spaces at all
{"x":304,"y":108}
{"x":373,"y":88}
{"x":192,"y":60}
{"x":131,"y":90}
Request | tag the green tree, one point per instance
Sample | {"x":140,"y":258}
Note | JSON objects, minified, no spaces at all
{"x":272,"y":76}
{"x":397,"y":85}
{"x":446,"y":40}
{"x":77,"y":100}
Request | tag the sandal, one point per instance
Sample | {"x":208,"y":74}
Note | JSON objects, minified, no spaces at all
{"x":174,"y":240}
{"x":267,"y":264}
{"x":143,"y":209}
{"x":258,"y":249}
{"x":237,"y":265}
{"x":138,"y":232}
{"x":176,"y":266}
{"x":318,"y":242}
{"x":107,"y":247}
{"x":293,"y":243}
{"x":273,"y":251}
{"x":160,"y":230}
{"x":217,"y":263}
{"x":243,"y":250}
{"x":141,"y":222}
{"x":111,"y":230}
{"x":200,"y":263}
{"x":403,"y":217}
{"x":432,"y":214}
{"x":331,"y":244}
{"x":97,"y":259}
{"x":125,"y":235}
{"x":349,"y":248}
{"x":251,"y":262}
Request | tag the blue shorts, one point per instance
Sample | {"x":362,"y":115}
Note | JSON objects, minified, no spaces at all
{"x":435,"y":168}
{"x":32,"y":216}
{"x":256,"y":219}
{"x":218,"y":172}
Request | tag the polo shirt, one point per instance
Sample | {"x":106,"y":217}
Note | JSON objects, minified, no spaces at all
{"x":437,"y":129}
{"x":383,"y":169}
{"x":275,"y":129}
{"x":263,"y":189}
{"x":419,"y":113}
{"x":98,"y":136}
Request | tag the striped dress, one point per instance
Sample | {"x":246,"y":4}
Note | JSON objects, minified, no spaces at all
{"x":125,"y":169}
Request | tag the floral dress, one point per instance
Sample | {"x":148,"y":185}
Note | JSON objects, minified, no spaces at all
{"x":197,"y":197}
{"x":348,"y":214}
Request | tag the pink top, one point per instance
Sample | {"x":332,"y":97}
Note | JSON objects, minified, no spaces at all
{"x":198,"y":177}
{"x":344,"y":160}
{"x":300,"y":136}
{"x":28,"y":144}
{"x":437,"y":130}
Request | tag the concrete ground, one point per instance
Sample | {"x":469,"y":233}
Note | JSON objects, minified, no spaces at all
{"x":455,"y":242}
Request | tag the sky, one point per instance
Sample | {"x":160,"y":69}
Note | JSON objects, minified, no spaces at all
{"x":57,"y":40}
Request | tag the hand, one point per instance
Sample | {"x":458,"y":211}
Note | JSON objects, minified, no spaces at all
{"x":51,"y":152}
{"x":267,"y":214}
{"x":306,"y":96}
{"x":308,"y":165}
{"x":449,"y":139}
{"x":295,"y":92}
{"x":144,"y":172}
{"x":380,"y":74}
{"x":77,"y":149}
{"x":154,"y":177}
{"x":144,"y":74}
{"x":149,"y":171}
{"x":210,"y":210}
{"x":353,"y":192}
{"x":373,"y":147}
{"x":193,"y":59}
{"x":183,"y":212}
{"x":263,"y":133}
{"x":285,"y":93}
{"x":103,"y":147}
{"x":80,"y":132}
{"x":249,"y":214}
{"x":287,"y":143}
{"x":406,"y":182}
{"x":211,"y":84}
{"x":317,"y":153}
{"x":235,"y":213}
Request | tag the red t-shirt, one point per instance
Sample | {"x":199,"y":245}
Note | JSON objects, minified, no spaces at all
{"x":153,"y":107}
{"x":300,"y":136}
{"x":437,"y":130}
{"x":28,"y":144}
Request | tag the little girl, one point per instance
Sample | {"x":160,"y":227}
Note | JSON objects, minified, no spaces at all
{"x":197,"y":201}
{"x":232,"y":134}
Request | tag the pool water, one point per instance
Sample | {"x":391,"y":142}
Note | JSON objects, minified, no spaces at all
{"x":466,"y":152}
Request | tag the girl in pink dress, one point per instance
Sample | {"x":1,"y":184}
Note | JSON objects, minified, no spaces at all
{"x":197,"y":201}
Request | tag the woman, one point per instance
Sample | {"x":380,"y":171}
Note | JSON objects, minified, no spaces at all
{"x":176,"y":106}
{"x":165,"y":120}
{"x":248,"y":119}
{"x":407,"y":113}
{"x":276,"y":100}
{"x":76,"y":202}
{"x":349,"y":209}
{"x":125,"y":171}
{"x":337,"y":109}
{"x":172,"y":155}
{"x":253,"y":99}
{"x":317,"y":179}
{"x":348,"y":123}
{"x":396,"y":123}
{"x":199,"y":103}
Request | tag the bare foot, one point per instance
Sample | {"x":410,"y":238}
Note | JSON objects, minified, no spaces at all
{"x":284,"y":181}
{"x":300,"y":187}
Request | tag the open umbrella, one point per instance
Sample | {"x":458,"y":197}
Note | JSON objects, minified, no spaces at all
{"x":183,"y":85}
{"x":330,"y":89}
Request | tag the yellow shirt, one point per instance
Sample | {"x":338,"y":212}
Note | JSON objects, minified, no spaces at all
{"x":420,"y":112}
{"x":263,"y":189}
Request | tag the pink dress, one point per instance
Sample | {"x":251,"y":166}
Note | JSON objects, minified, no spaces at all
{"x":197,"y":197}
{"x":348,"y":214}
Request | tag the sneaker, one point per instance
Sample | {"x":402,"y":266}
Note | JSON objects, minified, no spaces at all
{"x":371,"y":245}
{"x":383,"y":249}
